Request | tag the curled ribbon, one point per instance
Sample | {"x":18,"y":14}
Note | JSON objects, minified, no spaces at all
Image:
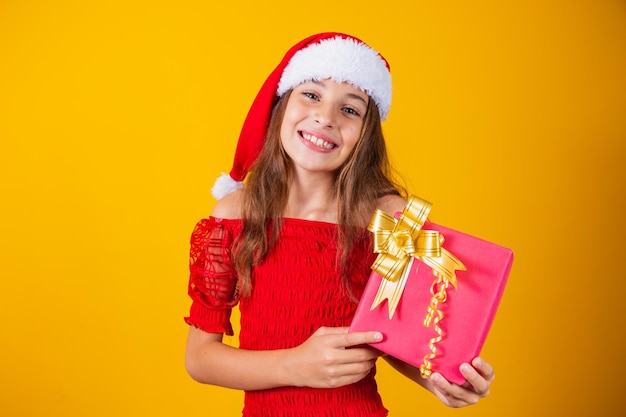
{"x":398,"y":243}
{"x":434,"y":316}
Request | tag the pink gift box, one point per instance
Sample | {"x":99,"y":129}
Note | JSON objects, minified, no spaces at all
{"x":468,"y":311}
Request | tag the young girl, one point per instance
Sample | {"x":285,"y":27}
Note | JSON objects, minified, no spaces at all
{"x":291,"y":247}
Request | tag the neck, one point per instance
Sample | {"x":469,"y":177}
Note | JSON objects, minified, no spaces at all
{"x":311,"y":198}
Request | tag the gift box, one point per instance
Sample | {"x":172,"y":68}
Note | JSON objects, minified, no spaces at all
{"x":431,"y":319}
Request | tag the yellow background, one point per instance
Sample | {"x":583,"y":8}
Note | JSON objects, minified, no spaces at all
{"x":115,"y":117}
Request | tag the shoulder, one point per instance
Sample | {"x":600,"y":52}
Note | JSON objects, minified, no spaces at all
{"x":229,"y":207}
{"x":391,"y":204}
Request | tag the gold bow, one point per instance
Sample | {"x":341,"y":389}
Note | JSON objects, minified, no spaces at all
{"x":399,"y":242}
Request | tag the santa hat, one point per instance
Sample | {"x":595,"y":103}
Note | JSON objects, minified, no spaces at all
{"x":329,"y":55}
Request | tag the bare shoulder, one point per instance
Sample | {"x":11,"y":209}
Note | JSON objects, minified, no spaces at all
{"x":391,"y":203}
{"x":229,"y":207}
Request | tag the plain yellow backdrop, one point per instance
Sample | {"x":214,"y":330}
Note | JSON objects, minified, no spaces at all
{"x":115,"y":117}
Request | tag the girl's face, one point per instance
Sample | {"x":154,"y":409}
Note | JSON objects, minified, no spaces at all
{"x":322,"y":124}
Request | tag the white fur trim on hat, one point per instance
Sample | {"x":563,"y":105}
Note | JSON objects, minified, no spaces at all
{"x":341,"y":60}
{"x":225,"y":185}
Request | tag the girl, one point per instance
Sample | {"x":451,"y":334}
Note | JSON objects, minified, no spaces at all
{"x":291,"y":246}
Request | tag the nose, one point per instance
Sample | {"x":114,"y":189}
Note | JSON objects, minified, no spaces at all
{"x":325,"y":115}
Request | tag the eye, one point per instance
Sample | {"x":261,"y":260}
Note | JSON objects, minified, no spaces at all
{"x":352,"y":111}
{"x":310,"y":95}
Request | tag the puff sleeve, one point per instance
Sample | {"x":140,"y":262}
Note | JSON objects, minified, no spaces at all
{"x":212,"y":279}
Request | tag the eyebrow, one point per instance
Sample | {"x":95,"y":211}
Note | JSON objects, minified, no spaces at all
{"x":350,"y":95}
{"x":358,"y":98}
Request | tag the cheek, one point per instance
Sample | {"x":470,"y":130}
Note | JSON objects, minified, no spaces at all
{"x":354,"y":135}
{"x":287,"y":129}
{"x":285,"y":126}
{"x":290,"y":118}
{"x":287,"y":132}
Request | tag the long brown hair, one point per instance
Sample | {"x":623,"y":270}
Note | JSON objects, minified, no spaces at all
{"x":365,"y":177}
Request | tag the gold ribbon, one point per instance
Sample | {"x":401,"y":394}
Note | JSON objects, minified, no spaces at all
{"x":398,"y":243}
{"x":434,"y":316}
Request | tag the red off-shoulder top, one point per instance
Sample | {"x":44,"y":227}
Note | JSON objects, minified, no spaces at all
{"x":296,"y":290}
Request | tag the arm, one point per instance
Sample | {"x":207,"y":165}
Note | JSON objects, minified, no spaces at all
{"x":323,"y":361}
{"x":479,"y":375}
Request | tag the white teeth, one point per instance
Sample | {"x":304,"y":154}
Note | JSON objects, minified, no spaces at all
{"x":317,"y":141}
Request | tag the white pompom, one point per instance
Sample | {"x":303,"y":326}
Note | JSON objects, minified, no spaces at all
{"x":225,"y":185}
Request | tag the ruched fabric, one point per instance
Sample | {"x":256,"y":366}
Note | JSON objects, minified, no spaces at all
{"x":296,"y":290}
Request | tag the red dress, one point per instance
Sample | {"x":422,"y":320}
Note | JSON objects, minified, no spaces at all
{"x":295,"y":291}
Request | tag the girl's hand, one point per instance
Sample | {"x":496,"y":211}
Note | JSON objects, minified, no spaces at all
{"x":332,"y":357}
{"x":479,"y":376}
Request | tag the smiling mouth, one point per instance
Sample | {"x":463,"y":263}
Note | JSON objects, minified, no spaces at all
{"x":317,"y":141}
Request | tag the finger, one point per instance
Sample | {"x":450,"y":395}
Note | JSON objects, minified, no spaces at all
{"x":346,"y":378}
{"x":452,"y":394}
{"x":345,"y":339}
{"x":358,"y":355}
{"x":361,"y":338}
{"x":354,"y":370}
{"x":484,"y":368}
{"x":479,"y":384}
{"x":350,"y":338}
{"x":343,"y":372}
{"x":358,"y":368}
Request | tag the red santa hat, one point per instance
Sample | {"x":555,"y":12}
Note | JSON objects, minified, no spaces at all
{"x":329,"y":55}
